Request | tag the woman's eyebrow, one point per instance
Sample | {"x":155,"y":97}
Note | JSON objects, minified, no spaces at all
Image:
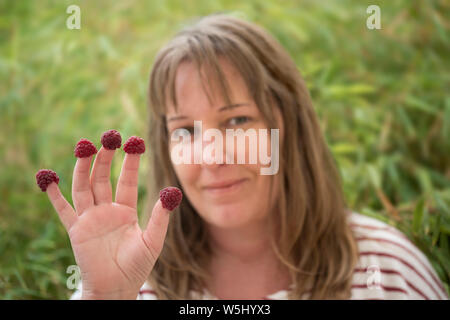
{"x":232,"y":106}
{"x":224,"y":108}
{"x":174,"y":118}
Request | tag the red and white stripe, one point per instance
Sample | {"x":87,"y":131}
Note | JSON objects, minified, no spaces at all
{"x":389,"y":249}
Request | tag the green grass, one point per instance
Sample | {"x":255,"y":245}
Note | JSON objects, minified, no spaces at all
{"x":382,"y":97}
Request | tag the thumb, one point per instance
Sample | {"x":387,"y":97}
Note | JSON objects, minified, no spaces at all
{"x":156,"y":230}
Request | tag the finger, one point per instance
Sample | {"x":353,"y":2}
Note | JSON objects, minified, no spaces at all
{"x":127,"y":186}
{"x":65,"y":211}
{"x":100,"y":176}
{"x":81,"y":186}
{"x":156,"y":230}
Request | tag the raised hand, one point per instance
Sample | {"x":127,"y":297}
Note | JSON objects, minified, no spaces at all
{"x":114,"y":255}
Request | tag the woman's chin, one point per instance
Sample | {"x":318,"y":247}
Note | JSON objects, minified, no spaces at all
{"x":229,"y":216}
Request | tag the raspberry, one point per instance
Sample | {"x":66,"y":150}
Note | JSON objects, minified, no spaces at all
{"x":134,"y":145}
{"x":170,"y":197}
{"x":44,"y":177}
{"x":84,"y":149}
{"x":111,"y":139}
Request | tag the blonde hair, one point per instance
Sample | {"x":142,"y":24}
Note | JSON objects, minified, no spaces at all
{"x":313,"y":240}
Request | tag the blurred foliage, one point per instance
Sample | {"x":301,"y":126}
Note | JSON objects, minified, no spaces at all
{"x":382,"y":97}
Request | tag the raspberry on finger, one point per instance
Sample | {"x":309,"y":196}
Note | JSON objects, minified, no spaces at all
{"x":45,"y":177}
{"x":84,"y":149}
{"x":134,"y":145}
{"x":170,"y":197}
{"x":111,"y":139}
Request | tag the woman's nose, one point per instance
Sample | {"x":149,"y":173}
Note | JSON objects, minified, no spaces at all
{"x":214,"y":149}
{"x":213,"y":154}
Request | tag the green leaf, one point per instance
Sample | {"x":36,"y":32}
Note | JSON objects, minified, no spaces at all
{"x":416,"y":103}
{"x":343,"y":148}
{"x":436,"y":230}
{"x":418,"y":216}
{"x":374,"y":176}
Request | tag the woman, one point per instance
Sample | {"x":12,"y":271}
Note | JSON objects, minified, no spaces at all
{"x":237,"y":234}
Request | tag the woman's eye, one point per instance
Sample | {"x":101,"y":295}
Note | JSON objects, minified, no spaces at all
{"x":238,"y":120}
{"x":180,"y":132}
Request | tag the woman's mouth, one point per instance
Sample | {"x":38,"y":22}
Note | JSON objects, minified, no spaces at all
{"x":224,"y":186}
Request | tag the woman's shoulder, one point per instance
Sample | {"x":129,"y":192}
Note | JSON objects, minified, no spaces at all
{"x":390,"y":266}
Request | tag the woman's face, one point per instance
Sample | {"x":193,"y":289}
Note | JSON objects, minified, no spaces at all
{"x":225,"y":195}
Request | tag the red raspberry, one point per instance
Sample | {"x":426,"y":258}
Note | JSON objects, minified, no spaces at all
{"x":84,"y":149}
{"x":170,"y":197}
{"x":44,"y":177}
{"x":111,"y":139}
{"x":134,"y":145}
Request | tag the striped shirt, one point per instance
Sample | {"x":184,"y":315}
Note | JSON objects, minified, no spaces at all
{"x":390,"y":267}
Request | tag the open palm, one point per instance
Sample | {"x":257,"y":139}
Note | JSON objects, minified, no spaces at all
{"x":114,"y":254}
